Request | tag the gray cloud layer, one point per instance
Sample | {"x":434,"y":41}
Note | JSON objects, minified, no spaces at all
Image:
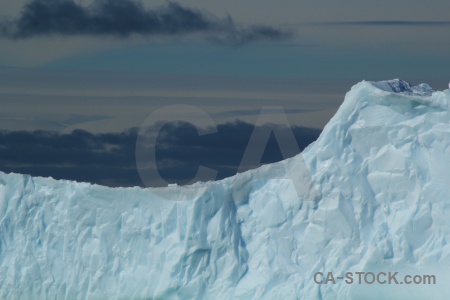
{"x":122,"y":18}
{"x":109,"y":158}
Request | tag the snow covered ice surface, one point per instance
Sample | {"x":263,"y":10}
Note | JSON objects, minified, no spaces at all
{"x":381,"y":170}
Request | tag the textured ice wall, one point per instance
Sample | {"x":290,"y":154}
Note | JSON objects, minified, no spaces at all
{"x":381,"y":168}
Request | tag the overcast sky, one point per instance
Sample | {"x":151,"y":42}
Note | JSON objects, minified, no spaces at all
{"x":327,"y":45}
{"x":105,"y":65}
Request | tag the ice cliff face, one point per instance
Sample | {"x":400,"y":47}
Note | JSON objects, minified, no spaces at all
{"x":381,"y":171}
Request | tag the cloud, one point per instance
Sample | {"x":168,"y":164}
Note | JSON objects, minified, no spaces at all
{"x":122,"y":18}
{"x":109,"y":158}
{"x":80,"y":155}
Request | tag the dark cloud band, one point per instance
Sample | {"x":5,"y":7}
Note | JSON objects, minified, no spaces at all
{"x":109,"y":158}
{"x":122,"y":18}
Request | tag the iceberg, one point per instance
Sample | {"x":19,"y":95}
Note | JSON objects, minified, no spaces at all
{"x":372,"y":194}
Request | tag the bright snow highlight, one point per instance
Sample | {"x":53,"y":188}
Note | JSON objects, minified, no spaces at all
{"x":381,"y":170}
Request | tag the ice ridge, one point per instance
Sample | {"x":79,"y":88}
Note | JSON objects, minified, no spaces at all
{"x":404,"y":87}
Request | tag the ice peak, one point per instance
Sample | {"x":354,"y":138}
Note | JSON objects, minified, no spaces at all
{"x":403,"y":87}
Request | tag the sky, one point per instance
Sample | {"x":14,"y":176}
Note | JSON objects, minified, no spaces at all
{"x":92,"y":71}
